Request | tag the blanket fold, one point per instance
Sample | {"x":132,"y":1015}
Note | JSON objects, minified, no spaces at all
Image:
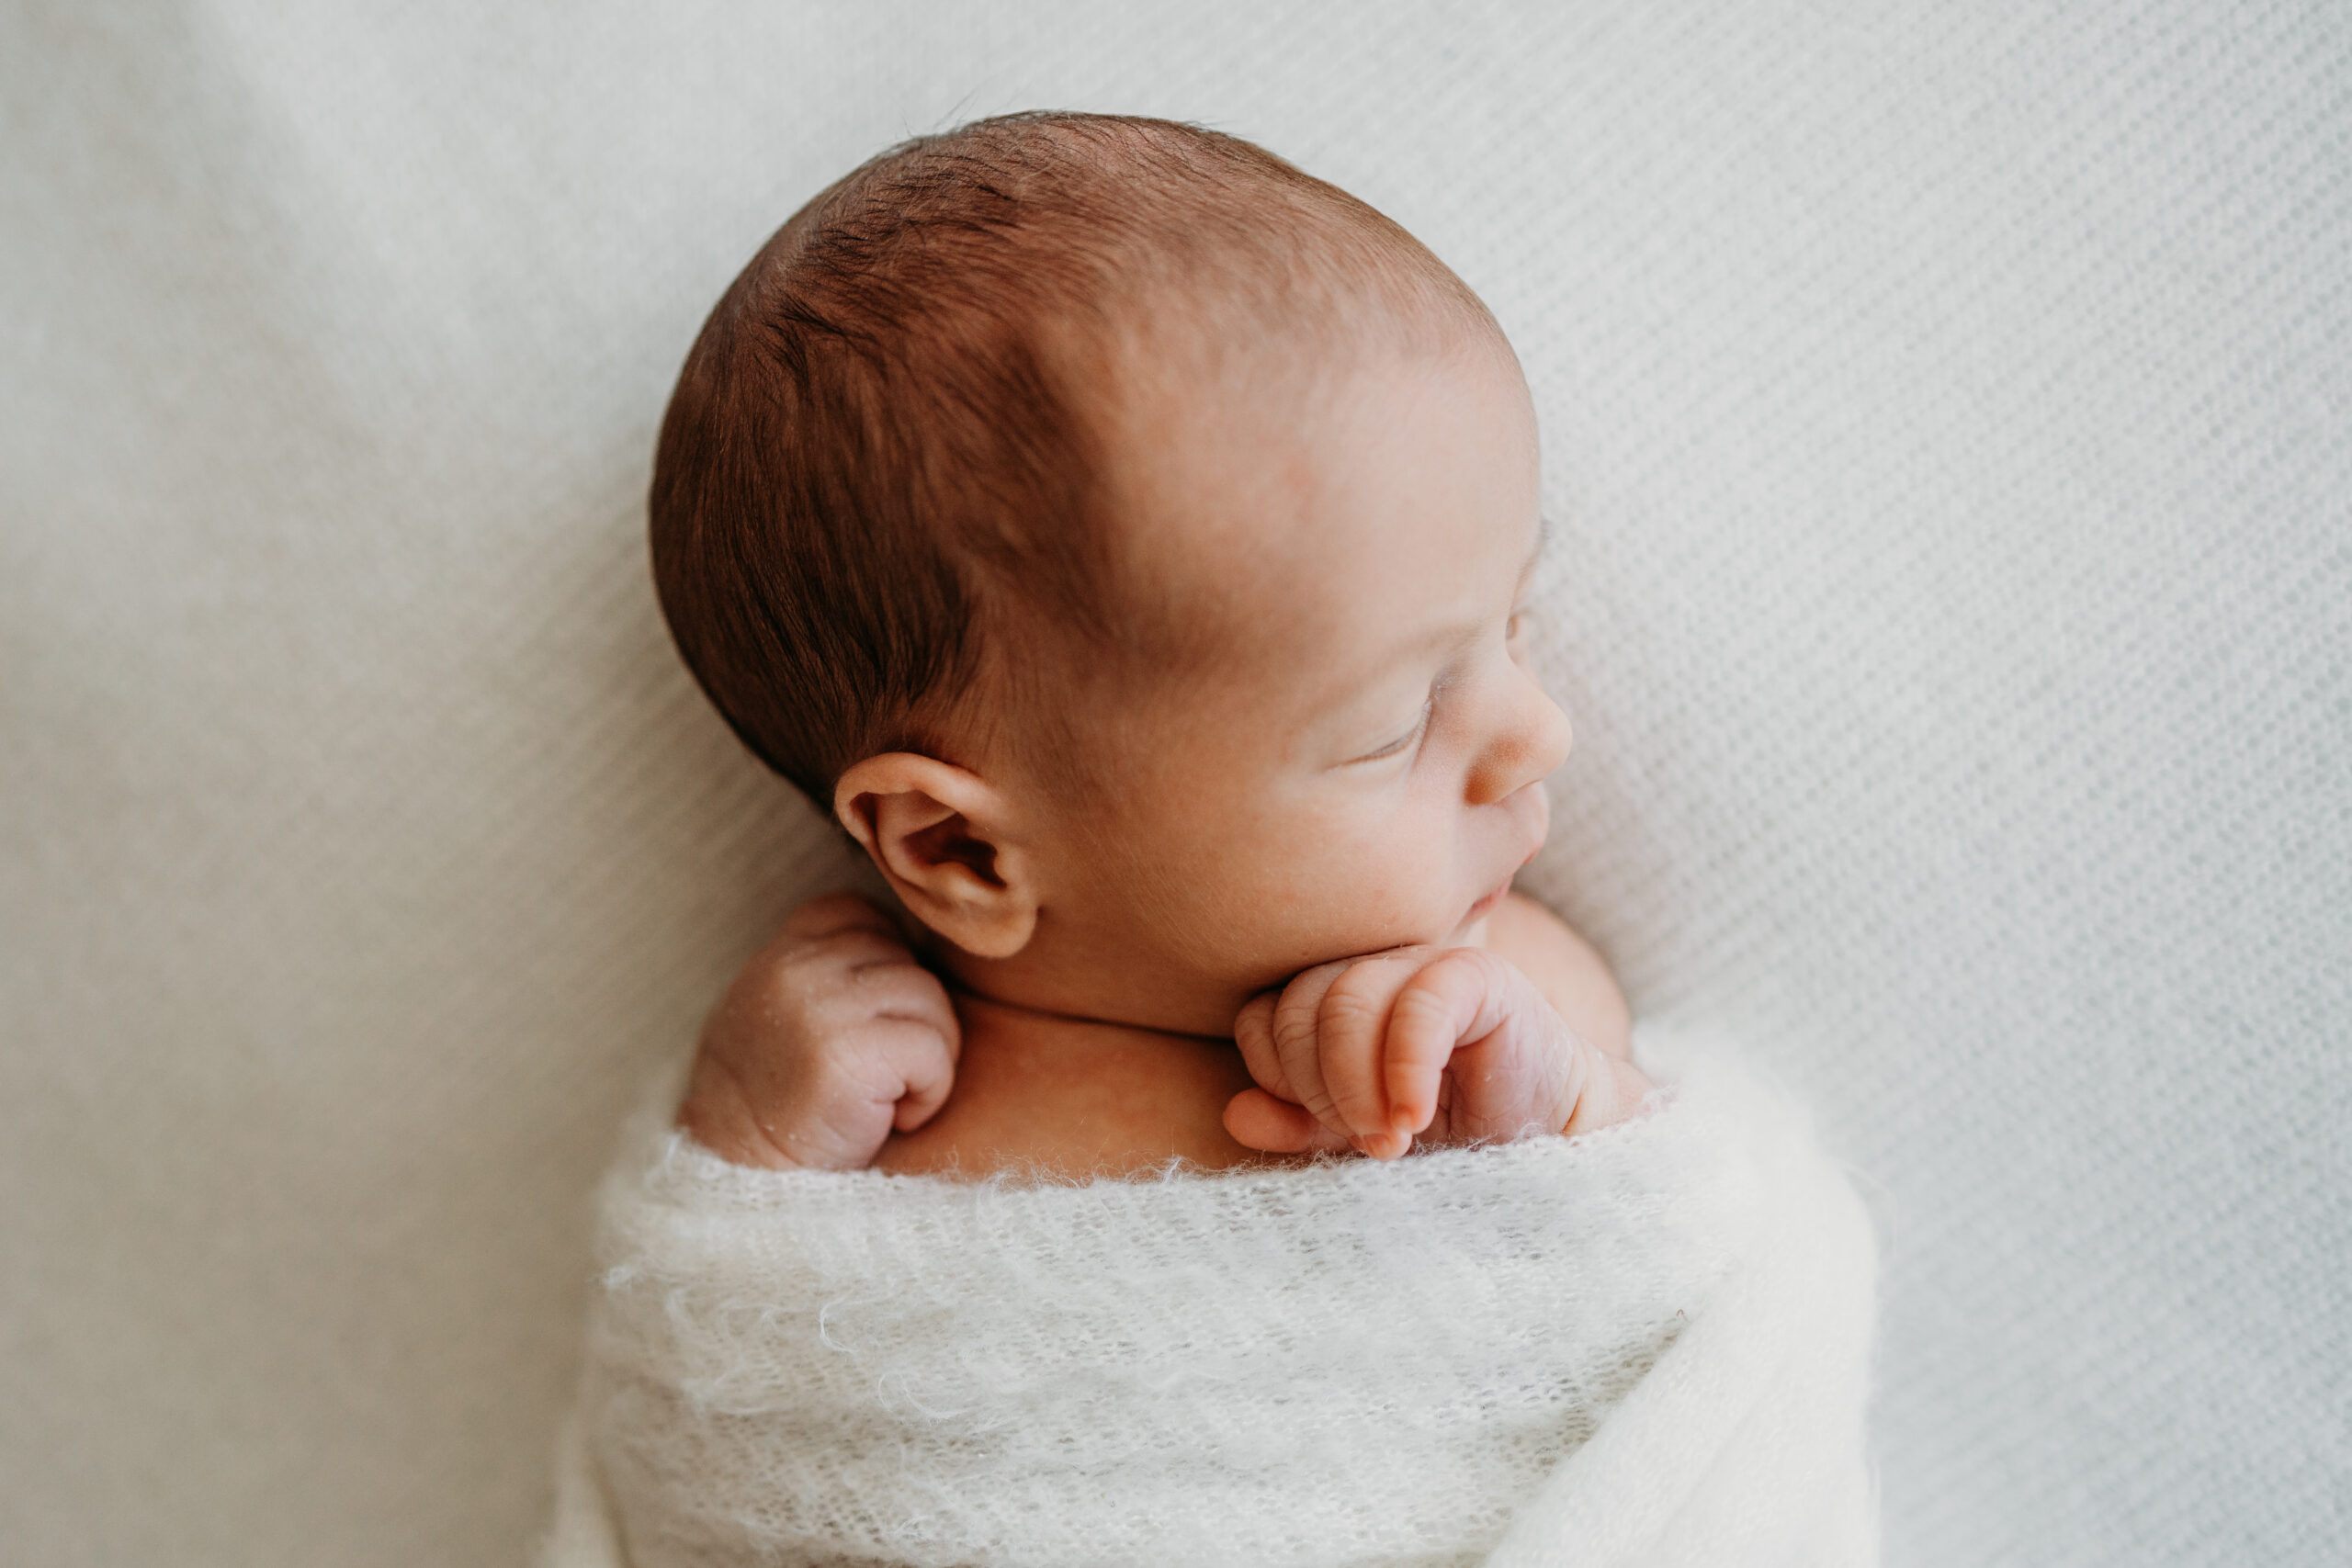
{"x":1644,"y":1346}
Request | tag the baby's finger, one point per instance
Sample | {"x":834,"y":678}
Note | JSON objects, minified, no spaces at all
{"x":847,"y":948}
{"x":1253,"y":1032}
{"x":914,"y":1067}
{"x":1351,"y":1024}
{"x":1297,"y":1040}
{"x":1259,"y":1120}
{"x":907,"y":991}
{"x":1454,"y":999}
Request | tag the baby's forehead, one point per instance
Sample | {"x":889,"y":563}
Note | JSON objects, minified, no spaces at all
{"x":1293,"y":494}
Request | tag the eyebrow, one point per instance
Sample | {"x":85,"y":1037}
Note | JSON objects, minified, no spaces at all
{"x":1457,"y":637}
{"x":1450,"y":640}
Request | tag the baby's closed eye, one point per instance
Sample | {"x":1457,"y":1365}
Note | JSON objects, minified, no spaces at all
{"x":1403,"y":742}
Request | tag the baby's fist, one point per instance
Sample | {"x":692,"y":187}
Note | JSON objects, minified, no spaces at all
{"x":1451,"y":1046}
{"x":831,"y":1037}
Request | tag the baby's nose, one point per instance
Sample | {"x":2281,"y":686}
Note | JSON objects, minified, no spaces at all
{"x":1530,"y":746}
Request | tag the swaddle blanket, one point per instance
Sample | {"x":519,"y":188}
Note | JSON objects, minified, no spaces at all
{"x":1643,"y":1345}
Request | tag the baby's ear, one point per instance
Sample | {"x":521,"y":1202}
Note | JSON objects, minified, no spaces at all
{"x":941,"y":836}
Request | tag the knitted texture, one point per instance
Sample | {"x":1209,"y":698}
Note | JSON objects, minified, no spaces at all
{"x":1351,"y":1363}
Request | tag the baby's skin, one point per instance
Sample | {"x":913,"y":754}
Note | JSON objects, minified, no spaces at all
{"x":836,"y":1049}
{"x":1255,"y":904}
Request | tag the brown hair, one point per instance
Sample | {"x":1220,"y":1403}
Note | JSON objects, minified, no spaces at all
{"x":879,"y":450}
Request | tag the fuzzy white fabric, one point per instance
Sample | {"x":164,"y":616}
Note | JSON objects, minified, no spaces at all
{"x":1645,"y":1345}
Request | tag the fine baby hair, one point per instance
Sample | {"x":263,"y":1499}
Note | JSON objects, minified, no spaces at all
{"x":877,"y":488}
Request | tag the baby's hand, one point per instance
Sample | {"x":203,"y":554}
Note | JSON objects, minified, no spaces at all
{"x":831,"y":1037}
{"x":1452,"y":1044}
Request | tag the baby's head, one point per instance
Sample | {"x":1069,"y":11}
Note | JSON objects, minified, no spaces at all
{"x":1123,"y":535}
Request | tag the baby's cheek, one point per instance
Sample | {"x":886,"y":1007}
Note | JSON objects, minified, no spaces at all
{"x":1395,"y":890}
{"x":1332,"y":880}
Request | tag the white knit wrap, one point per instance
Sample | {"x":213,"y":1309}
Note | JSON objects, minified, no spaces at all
{"x":1645,"y":1345}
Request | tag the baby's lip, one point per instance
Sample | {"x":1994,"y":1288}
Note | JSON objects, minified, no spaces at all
{"x":1486,"y":905}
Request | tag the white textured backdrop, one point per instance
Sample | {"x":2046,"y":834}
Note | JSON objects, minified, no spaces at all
{"x":1946,"y":413}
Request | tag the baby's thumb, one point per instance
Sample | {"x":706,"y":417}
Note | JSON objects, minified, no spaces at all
{"x":1259,"y":1120}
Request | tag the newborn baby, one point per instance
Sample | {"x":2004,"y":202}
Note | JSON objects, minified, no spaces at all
{"x":1124,"y":535}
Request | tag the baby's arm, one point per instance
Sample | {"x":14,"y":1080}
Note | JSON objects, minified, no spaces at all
{"x":1449,"y":1044}
{"x":832,"y":1037}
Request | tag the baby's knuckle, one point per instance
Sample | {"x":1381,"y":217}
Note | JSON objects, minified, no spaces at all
{"x":854,"y":947}
{"x":1494,"y":971}
{"x":1348,"y":1008}
{"x":1292,"y":1040}
{"x":834,"y":1069}
{"x":1293,"y":1031}
{"x":899,"y":975}
{"x":1362,"y":995}
{"x":1307,"y":988}
{"x":845,"y":1012}
{"x":792,"y":995}
{"x":805,"y":969}
{"x":1418,"y":1007}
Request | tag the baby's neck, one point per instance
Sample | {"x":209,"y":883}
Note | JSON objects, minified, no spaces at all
{"x":963,"y":991}
{"x":1063,"y":981}
{"x":1077,"y":987}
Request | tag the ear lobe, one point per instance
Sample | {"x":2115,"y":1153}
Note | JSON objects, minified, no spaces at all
{"x":939,"y":835}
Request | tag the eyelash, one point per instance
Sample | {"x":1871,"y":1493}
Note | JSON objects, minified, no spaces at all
{"x":1513,"y":629}
{"x":1407,"y":739}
